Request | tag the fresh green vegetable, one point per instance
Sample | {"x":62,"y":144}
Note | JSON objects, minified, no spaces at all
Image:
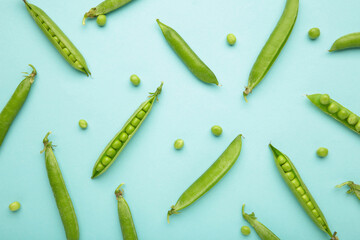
{"x":14,"y":206}
{"x":209,"y":178}
{"x":216,"y":130}
{"x":354,"y":188}
{"x":351,"y":40}
{"x":179,"y":144}
{"x":83,"y":124}
{"x":245,"y":230}
{"x":61,"y":195}
{"x":126,"y":222}
{"x":297,"y":186}
{"x":15,"y":103}
{"x":135,"y":79}
{"x":273,"y":46}
{"x":231,"y":39}
{"x":314,"y":33}
{"x":322,"y":152}
{"x":187,"y":55}
{"x":101,"y":20}
{"x":263,"y":232}
{"x":336,"y":111}
{"x":65,"y":47}
{"x":122,"y":138}
{"x":104,"y":8}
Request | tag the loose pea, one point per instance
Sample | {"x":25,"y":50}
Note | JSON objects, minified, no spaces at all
{"x":324,"y":99}
{"x":14,"y":206}
{"x":216,"y":130}
{"x":352,"y":119}
{"x":99,"y":167}
{"x":129,"y":129}
{"x":140,"y":114}
{"x":290,"y":175}
{"x":322,"y":152}
{"x":179,"y":144}
{"x":106,"y":160}
{"x":295,"y":182}
{"x":357,"y":127}
{"x":101,"y":20}
{"x":314,"y":33}
{"x":231,"y":39}
{"x":286,"y":167}
{"x":343,"y":114}
{"x":116,"y":144}
{"x":135,"y":79}
{"x":281,"y":160}
{"x":111,"y":152}
{"x":83,"y":124}
{"x":245,"y":230}
{"x":333,"y":108}
{"x":146,"y":107}
{"x":135,"y":122}
{"x":123,"y":136}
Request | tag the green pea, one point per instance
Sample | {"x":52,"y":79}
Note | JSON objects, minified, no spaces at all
{"x":135,"y":79}
{"x":45,"y":26}
{"x":14,"y":206}
{"x":315,"y":213}
{"x":352,"y":119}
{"x":324,"y":99}
{"x":116,"y":144}
{"x":357,"y":127}
{"x":321,"y":220}
{"x":51,"y":32}
{"x":146,"y":107}
{"x":179,"y":144}
{"x":61,"y":44}
{"x":343,"y":114}
{"x":314,"y":33}
{"x":333,"y":108}
{"x":83,"y":124}
{"x":123,"y":136}
{"x":305,"y":198}
{"x":111,"y":152}
{"x":310,"y":205}
{"x":101,"y":20}
{"x":281,"y":159}
{"x":290,"y":175}
{"x":245,"y":230}
{"x":286,"y":167}
{"x":231,"y":39}
{"x":135,"y":122}
{"x":300,"y":190}
{"x":216,"y":130}
{"x":99,"y":167}
{"x":56,"y":39}
{"x":72,"y":57}
{"x":106,"y":160}
{"x":66,"y":51}
{"x":295,"y":182}
{"x":140,"y":114}
{"x":129,"y":129}
{"x":322,"y":152}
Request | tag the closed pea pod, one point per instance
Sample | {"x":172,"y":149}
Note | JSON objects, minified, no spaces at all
{"x":301,"y":192}
{"x":61,"y":42}
{"x":126,"y":221}
{"x":262,"y":231}
{"x":351,"y":40}
{"x":61,"y":195}
{"x":273,"y":46}
{"x":336,"y":111}
{"x":104,"y":8}
{"x":209,"y":178}
{"x":187,"y":55}
{"x":122,"y":138}
{"x":15,"y":103}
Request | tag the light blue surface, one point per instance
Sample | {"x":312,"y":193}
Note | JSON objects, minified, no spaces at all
{"x":155,"y":173}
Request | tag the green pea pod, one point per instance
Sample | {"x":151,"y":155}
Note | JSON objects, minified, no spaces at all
{"x":122,"y":138}
{"x":104,"y":8}
{"x":209,"y":178}
{"x":126,"y":222}
{"x":263,"y":232}
{"x":292,"y":178}
{"x":61,"y":195}
{"x":61,"y":42}
{"x":187,"y":55}
{"x":351,"y":40}
{"x":273,"y":46}
{"x":15,"y":103}
{"x":336,"y":111}
{"x":354,"y":188}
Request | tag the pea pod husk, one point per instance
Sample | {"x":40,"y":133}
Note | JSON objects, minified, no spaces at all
{"x":261,"y":230}
{"x":348,"y":41}
{"x":15,"y":103}
{"x":354,"y":188}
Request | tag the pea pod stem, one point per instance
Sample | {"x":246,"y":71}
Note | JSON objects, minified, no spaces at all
{"x":354,"y":188}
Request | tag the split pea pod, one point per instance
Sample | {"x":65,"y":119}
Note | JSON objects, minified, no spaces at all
{"x":15,"y":103}
{"x":122,"y":138}
{"x":273,"y":46}
{"x":104,"y":8}
{"x":61,"y":42}
{"x":351,"y":40}
{"x":292,"y":178}
{"x":209,"y":178}
{"x":354,"y":188}
{"x":61,"y":195}
{"x":126,"y":221}
{"x":263,"y":232}
{"x":187,"y":55}
{"x":336,"y":111}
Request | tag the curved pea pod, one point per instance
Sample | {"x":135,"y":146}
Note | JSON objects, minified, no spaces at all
{"x":336,"y":111}
{"x":15,"y":103}
{"x":351,"y":40}
{"x":122,"y":138}
{"x":354,"y":188}
{"x":187,"y":55}
{"x":126,"y":221}
{"x":61,"y":42}
{"x":209,"y":178}
{"x":263,"y":232}
{"x":273,"y":46}
{"x":292,"y":178}
{"x":104,"y":8}
{"x":61,"y":195}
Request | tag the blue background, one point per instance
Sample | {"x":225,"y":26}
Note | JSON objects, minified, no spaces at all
{"x":155,"y":173}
